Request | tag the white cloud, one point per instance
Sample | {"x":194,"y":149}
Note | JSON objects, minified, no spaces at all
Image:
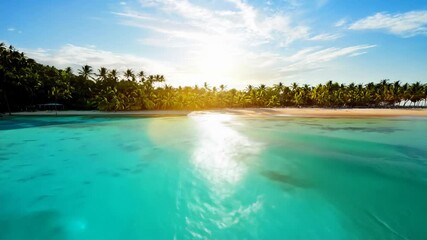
{"x":12,"y":29}
{"x":303,"y":3}
{"x":325,"y":37}
{"x":402,"y":24}
{"x":311,"y":58}
{"x":357,"y":54}
{"x":340,"y":22}
{"x":76,"y":56}
{"x":242,"y":22}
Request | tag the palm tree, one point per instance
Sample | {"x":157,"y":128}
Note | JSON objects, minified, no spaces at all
{"x":86,"y":72}
{"x":113,"y":75}
{"x":129,"y":75}
{"x":394,"y":93}
{"x":294,"y":86}
{"x":4,"y":55}
{"x":278,"y":88}
{"x":159,"y":78}
{"x":286,"y":96}
{"x":102,"y":74}
{"x":425,"y":95}
{"x":416,"y":92}
{"x":206,"y":86}
{"x":68,"y":70}
{"x":141,"y":76}
{"x":2,"y":48}
{"x":382,"y":90}
{"x":261,"y":95}
{"x":405,"y":94}
{"x":371,"y":94}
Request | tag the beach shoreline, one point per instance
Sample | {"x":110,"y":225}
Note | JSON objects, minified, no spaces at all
{"x":250,"y":112}
{"x":96,"y":113}
{"x":330,"y":112}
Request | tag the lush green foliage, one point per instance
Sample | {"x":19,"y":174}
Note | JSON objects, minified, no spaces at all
{"x":24,"y":82}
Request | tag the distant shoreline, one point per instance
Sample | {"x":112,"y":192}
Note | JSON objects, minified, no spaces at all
{"x":102,"y":113}
{"x":326,"y":112}
{"x":276,"y":112}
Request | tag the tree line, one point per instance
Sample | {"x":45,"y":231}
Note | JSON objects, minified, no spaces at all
{"x":25,"y":83}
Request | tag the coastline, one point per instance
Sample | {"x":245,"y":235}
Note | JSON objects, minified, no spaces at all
{"x":326,"y":112}
{"x":95,"y":113}
{"x":277,"y":112}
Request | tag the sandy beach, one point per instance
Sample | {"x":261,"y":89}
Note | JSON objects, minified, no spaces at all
{"x":323,"y":112}
{"x":300,"y":112}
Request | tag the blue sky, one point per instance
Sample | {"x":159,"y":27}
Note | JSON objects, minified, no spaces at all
{"x":232,"y":42}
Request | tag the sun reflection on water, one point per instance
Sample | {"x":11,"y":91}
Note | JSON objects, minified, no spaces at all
{"x":221,"y":151}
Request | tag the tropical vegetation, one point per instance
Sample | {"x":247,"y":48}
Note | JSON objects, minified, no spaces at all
{"x":25,"y":83}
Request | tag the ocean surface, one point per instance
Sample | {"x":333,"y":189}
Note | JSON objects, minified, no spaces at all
{"x":213,"y":176}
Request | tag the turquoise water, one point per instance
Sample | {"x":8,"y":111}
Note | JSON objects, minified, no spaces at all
{"x":213,"y":176}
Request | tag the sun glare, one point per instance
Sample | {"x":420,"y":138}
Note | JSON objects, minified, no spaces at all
{"x":216,"y":61}
{"x":219,"y":156}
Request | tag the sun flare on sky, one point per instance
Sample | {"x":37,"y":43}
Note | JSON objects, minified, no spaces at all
{"x":215,"y":61}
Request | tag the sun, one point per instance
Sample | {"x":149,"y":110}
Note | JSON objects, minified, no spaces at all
{"x":216,"y":61}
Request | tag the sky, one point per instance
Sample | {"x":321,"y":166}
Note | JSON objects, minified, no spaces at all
{"x":230,"y":42}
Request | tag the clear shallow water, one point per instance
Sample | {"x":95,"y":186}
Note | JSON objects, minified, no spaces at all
{"x":213,"y":176}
